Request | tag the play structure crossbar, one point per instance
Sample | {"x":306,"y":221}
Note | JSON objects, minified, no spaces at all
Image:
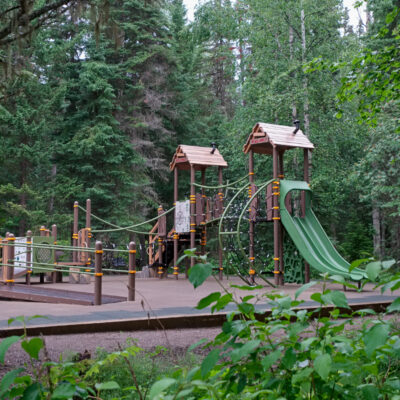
{"x":126,"y":228}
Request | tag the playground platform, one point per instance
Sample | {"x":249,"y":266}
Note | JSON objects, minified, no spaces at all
{"x":160,"y":304}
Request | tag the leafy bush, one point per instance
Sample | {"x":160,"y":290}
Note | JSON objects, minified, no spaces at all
{"x":292,"y":353}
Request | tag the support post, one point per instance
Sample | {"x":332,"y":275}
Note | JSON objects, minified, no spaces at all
{"x":29,"y":255}
{"x":175,"y":235}
{"x":5,"y":257}
{"x":88,"y":228}
{"x":75,"y":232}
{"x":55,"y":273}
{"x":221,"y":196}
{"x":276,"y":193}
{"x":42,"y":233}
{"x":192,"y":213}
{"x":281,"y":229}
{"x":132,"y":271}
{"x":160,"y":246}
{"x":203,"y":240}
{"x":303,"y":208}
{"x":98,"y":272}
{"x":251,"y":223}
{"x":10,"y":261}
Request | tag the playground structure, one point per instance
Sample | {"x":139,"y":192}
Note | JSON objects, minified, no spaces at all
{"x":240,"y":212}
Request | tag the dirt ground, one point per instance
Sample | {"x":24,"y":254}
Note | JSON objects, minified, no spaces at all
{"x":66,"y":346}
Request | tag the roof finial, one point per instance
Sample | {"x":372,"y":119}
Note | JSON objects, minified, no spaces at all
{"x":297,"y":125}
{"x":214,"y":147}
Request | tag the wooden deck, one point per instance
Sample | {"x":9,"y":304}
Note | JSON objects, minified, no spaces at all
{"x":48,"y":295}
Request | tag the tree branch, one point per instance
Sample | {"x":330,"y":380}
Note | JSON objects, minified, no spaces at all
{"x":23,"y":18}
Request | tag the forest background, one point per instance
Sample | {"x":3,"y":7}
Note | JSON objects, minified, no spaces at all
{"x":95,"y":96}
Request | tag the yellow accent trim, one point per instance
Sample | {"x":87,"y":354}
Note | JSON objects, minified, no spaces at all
{"x":99,"y":251}
{"x":28,"y":242}
{"x":55,"y":243}
{"x":221,"y":269}
{"x":87,"y":270}
{"x":193,"y":230}
{"x":74,"y":236}
{"x":132,"y":272}
{"x":275,"y":218}
{"x":275,"y":187}
{"x":29,"y":271}
{"x":276,"y":258}
{"x":192,"y":224}
{"x":275,"y":208}
{"x":10,"y":239}
{"x":98,"y":274}
{"x":251,"y":173}
{"x":276,"y":193}
{"x":277,"y":272}
{"x":276,"y":182}
{"x":75,"y":205}
{"x":132,"y":251}
{"x":42,"y":229}
{"x":252,"y":272}
{"x":10,"y":280}
{"x":281,"y":176}
{"x":252,"y":258}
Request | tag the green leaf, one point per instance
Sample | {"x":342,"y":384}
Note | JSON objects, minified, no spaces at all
{"x":373,"y":270}
{"x":244,"y":350}
{"x":110,"y":385}
{"x":301,"y":375}
{"x":197,"y":344}
{"x":199,"y":273}
{"x":222,"y":302}
{"x":289,"y":358}
{"x":160,"y":386}
{"x":268,"y":361}
{"x":32,"y":392}
{"x":357,"y":263}
{"x":395,"y":306}
{"x":369,"y":392}
{"x":376,"y":336}
{"x":387,"y":264}
{"x":33,"y":347}
{"x":5,"y":345}
{"x":338,"y":299}
{"x":303,"y":288}
{"x":206,"y":301}
{"x":323,"y":365}
{"x":64,"y":391}
{"x":8,"y":379}
{"x":245,"y":287}
{"x":209,"y":361}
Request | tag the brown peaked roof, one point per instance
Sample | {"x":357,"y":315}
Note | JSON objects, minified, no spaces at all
{"x":200,"y":157}
{"x":264,"y":137}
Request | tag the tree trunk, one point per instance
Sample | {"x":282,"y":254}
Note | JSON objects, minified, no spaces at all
{"x":306,"y":103}
{"x":53,"y":175}
{"x":291,"y":41}
{"x":376,"y":223}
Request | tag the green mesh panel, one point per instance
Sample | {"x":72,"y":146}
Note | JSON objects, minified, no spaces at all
{"x":294,"y":263}
{"x":43,"y":255}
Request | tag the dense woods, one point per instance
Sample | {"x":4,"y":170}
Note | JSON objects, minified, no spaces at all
{"x":95,"y":96}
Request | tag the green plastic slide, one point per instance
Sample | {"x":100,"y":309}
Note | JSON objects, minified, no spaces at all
{"x":310,"y":238}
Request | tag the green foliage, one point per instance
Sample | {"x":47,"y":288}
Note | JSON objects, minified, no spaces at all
{"x":294,"y":354}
